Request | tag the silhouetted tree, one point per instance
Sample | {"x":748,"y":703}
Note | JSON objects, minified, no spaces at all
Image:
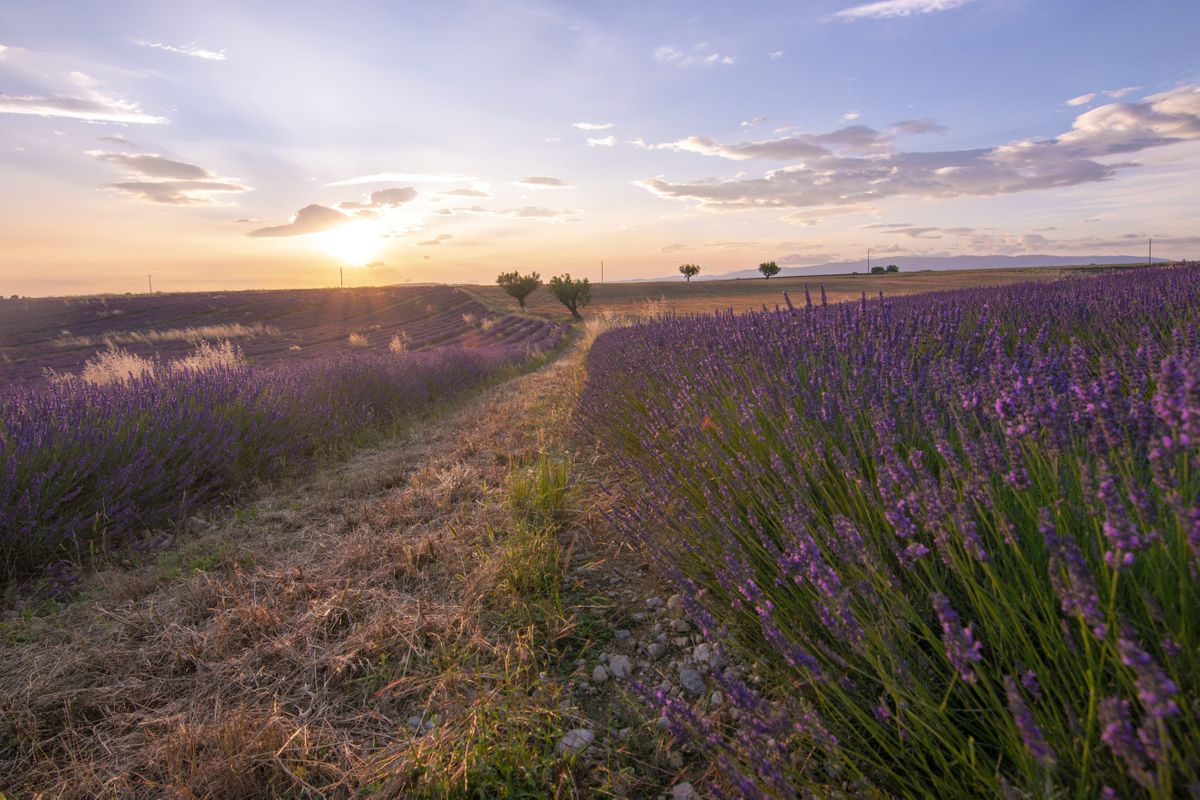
{"x":877,"y":270}
{"x":689,"y":270}
{"x":892,"y":268}
{"x":571,"y":293}
{"x":768,"y":269}
{"x":518,"y":285}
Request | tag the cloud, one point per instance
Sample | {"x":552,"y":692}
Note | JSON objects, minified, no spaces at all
{"x":525,"y":212}
{"x":593,"y":126}
{"x":754,"y":122}
{"x":551,"y":139}
{"x":3,"y":50}
{"x":182,"y":192}
{"x":384,"y":198}
{"x":441,"y":237}
{"x":158,"y":179}
{"x":607,"y":141}
{"x":184,"y":50}
{"x":818,"y":214}
{"x":96,"y":107}
{"x":1115,"y":94}
{"x":1119,"y":93}
{"x":775,"y":55}
{"x":310,"y":219}
{"x":543,"y":182}
{"x":897,"y":8}
{"x":153,"y":165}
{"x":851,"y":139}
{"x":114,"y":138}
{"x":915,"y":127}
{"x":465,"y":193}
{"x":860,"y":166}
{"x":699,"y":55}
{"x":403,"y":177}
{"x":850,"y":116}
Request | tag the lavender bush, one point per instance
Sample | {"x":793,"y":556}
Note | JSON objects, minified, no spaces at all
{"x":84,"y":465}
{"x":956,"y":536}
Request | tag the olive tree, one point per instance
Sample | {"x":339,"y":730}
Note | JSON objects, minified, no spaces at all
{"x":571,"y":293}
{"x":768,"y":269}
{"x":518,"y":285}
{"x":690,"y":270}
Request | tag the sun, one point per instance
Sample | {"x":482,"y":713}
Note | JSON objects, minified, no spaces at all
{"x":355,"y":244}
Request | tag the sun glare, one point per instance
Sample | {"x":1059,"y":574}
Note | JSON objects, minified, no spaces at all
{"x":356,"y":244}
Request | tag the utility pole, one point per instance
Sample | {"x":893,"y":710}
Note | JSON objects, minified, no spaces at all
{"x":868,"y":261}
{"x":602,"y":272}
{"x":150,"y":283}
{"x":342,"y":276}
{"x":1149,"y":252}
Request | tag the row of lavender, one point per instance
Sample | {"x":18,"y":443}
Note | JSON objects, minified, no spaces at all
{"x":956,"y":536}
{"x":84,"y":466}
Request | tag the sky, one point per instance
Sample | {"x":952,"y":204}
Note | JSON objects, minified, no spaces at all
{"x":241,"y":145}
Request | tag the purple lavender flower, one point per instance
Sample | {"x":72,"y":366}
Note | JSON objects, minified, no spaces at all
{"x":1031,"y":734}
{"x":961,"y":648}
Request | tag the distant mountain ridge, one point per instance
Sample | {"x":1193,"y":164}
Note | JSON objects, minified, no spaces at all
{"x":915,"y":263}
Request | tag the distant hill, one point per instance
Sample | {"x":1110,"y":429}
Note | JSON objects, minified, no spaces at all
{"x":916,"y":263}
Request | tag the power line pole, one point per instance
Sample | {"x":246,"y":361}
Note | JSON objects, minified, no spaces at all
{"x":1149,"y":252}
{"x":150,"y":283}
{"x":868,"y":261}
{"x":342,"y":276}
{"x":602,"y":272}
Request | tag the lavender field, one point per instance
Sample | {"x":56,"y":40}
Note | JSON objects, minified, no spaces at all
{"x":132,"y":418}
{"x":269,"y":327}
{"x":955,"y":537}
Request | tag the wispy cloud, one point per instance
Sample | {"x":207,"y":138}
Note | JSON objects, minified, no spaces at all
{"x":754,"y":122}
{"x":384,"y":198}
{"x":465,"y":192}
{"x":858,"y":165}
{"x":158,"y":179}
{"x":543,"y":182}
{"x":607,"y":141}
{"x":439,"y":239}
{"x":1084,"y":99}
{"x":310,"y":219}
{"x":593,"y":126}
{"x":403,"y":177}
{"x":523,"y":212}
{"x":775,"y":55}
{"x":3,"y":50}
{"x":152,"y":165}
{"x":183,"y":49}
{"x":93,"y":106}
{"x":699,"y":55}
{"x":897,"y":8}
{"x":850,"y":116}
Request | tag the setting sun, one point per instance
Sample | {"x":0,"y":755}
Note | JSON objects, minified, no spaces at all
{"x":356,"y":244}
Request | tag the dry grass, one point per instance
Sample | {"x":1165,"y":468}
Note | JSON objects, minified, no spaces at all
{"x":705,"y":297}
{"x":234,"y":330}
{"x":284,"y":651}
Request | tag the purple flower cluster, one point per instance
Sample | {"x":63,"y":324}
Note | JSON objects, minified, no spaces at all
{"x":946,"y":523}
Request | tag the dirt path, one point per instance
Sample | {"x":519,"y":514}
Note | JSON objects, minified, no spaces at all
{"x":393,"y":626}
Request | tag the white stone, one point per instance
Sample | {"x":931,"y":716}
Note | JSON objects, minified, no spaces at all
{"x":620,"y":666}
{"x":576,"y":741}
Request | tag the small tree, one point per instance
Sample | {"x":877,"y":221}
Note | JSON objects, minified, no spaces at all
{"x":571,"y":293}
{"x":892,"y":268}
{"x":689,"y":270}
{"x":518,"y":285}
{"x":768,"y":269}
{"x":877,"y":270}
